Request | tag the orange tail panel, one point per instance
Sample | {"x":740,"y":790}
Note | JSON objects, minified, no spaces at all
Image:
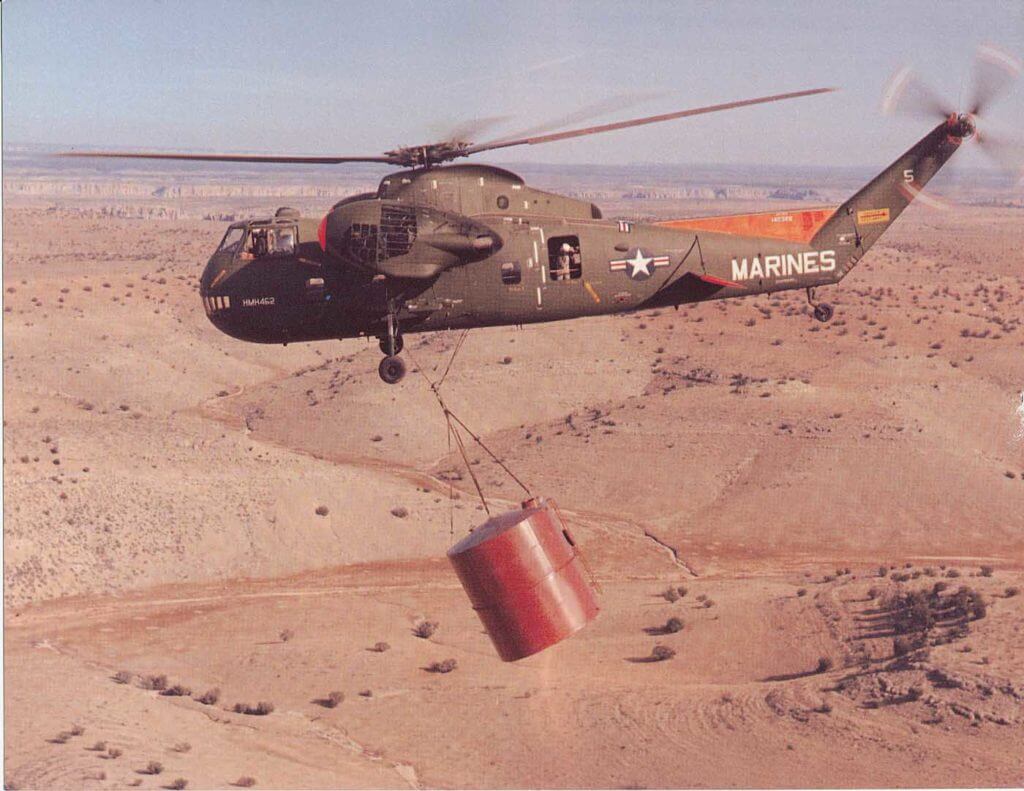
{"x":793,"y":226}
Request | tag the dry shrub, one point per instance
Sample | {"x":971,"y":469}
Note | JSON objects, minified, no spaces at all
{"x":673,"y":625}
{"x":425,"y":629}
{"x":123,"y":677}
{"x":154,"y":682}
{"x":179,"y":784}
{"x":660,"y":653}
{"x":114,"y":753}
{"x":209,"y":697}
{"x":380,"y":647}
{"x":177,"y":691}
{"x":824,"y":664}
{"x":445,"y":666}
{"x":286,"y":635}
{"x":153,"y":768}
{"x":261,"y":709}
{"x":332,"y":700}
{"x":671,"y":595}
{"x":322,"y":510}
{"x":182,"y":747}
{"x":245,"y":782}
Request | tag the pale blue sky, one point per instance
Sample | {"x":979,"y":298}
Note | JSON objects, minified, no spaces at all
{"x":362,"y":77}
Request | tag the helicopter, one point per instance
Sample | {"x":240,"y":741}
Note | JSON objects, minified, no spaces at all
{"x":451,"y":246}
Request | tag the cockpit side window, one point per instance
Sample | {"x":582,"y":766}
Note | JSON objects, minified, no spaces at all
{"x":232,"y":241}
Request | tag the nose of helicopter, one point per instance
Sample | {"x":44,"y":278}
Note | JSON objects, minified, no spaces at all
{"x":215,"y":293}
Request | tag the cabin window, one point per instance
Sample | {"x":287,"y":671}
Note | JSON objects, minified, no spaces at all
{"x":232,"y":241}
{"x":511,"y":274}
{"x":564,"y":260}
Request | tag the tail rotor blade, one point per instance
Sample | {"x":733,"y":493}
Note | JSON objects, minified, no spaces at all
{"x":1006,"y":152}
{"x":906,"y":94}
{"x":994,"y":72}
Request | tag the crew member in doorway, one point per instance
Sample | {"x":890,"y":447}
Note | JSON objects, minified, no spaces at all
{"x":564,"y":270}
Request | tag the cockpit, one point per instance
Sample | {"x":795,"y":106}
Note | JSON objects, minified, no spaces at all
{"x":260,"y":239}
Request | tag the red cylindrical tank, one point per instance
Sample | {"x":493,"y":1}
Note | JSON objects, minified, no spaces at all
{"x":526,"y":579}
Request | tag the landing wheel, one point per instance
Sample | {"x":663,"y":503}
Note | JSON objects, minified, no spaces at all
{"x":392,"y":369}
{"x":823,"y":312}
{"x":385,"y":344}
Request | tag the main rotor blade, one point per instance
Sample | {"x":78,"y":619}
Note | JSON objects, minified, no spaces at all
{"x":906,"y":94}
{"x":267,"y":159}
{"x":622,"y":101}
{"x":994,"y":72}
{"x":653,"y":119}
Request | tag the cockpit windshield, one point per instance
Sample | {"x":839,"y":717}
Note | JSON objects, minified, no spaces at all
{"x":270,"y":242}
{"x":232,"y":241}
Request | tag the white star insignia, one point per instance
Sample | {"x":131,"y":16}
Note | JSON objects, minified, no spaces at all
{"x":639,"y":264}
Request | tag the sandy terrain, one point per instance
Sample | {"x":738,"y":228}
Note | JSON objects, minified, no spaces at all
{"x":162,"y":482}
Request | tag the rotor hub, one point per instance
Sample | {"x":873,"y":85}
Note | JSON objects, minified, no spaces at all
{"x":961,"y":125}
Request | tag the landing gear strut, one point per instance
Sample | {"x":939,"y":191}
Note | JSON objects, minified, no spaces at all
{"x":392,"y":367}
{"x":822,"y":310}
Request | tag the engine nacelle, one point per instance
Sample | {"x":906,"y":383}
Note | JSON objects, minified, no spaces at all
{"x":404,"y":240}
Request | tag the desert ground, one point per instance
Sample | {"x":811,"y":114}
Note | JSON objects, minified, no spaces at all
{"x":834,"y":513}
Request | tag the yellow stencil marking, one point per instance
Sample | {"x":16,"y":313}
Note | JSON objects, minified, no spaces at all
{"x":590,"y":290}
{"x":872,"y":216}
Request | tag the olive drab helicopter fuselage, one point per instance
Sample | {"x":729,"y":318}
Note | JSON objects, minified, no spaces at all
{"x":460,"y":246}
{"x":440,"y":247}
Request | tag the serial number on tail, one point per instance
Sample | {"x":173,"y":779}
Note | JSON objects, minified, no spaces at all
{"x":783,"y":265}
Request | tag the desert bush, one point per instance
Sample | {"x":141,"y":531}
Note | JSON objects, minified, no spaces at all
{"x":939,"y":587}
{"x":682,"y":590}
{"x":872,"y":593}
{"x":123,"y":677}
{"x":425,"y":629}
{"x":332,"y":700}
{"x":61,"y":738}
{"x":114,"y":752}
{"x":261,"y":709}
{"x":176,"y":691}
{"x":77,"y":730}
{"x":286,"y":635}
{"x":801,"y":592}
{"x":178,"y":784}
{"x":882,"y":571}
{"x":400,"y":512}
{"x":670,"y":595}
{"x":99,"y":747}
{"x":824,"y":664}
{"x":701,"y":597}
{"x":365,"y":693}
{"x":824,"y":708}
{"x":154,"y":682}
{"x":1011,"y":591}
{"x":153,"y":768}
{"x":322,"y":510}
{"x":673,"y":625}
{"x":952,"y":573}
{"x":182,"y":747}
{"x":660,"y":653}
{"x":209,"y":697}
{"x":380,"y":647}
{"x":709,"y":603}
{"x":986,"y":571}
{"x":444,"y":666}
{"x":245,"y":782}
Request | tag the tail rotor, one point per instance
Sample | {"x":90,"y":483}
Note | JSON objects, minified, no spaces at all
{"x":995,"y":72}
